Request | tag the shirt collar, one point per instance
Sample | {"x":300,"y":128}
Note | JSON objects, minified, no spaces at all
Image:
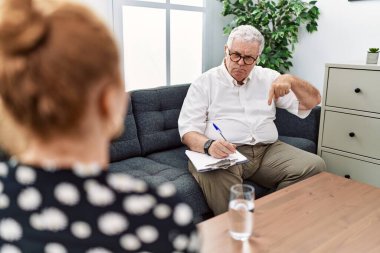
{"x":232,"y":80}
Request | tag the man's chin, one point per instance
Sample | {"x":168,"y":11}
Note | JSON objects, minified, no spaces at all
{"x":240,"y":75}
{"x":240,"y":78}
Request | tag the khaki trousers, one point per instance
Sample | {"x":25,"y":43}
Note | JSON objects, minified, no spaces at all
{"x":274,"y":165}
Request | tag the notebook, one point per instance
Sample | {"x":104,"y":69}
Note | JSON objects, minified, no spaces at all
{"x":203,"y":162}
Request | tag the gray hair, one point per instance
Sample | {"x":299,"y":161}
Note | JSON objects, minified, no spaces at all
{"x":246,"y":33}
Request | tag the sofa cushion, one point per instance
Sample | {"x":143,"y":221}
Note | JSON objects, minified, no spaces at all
{"x":174,"y":157}
{"x":155,"y":173}
{"x":127,"y":145}
{"x":156,"y":112}
{"x":301,"y":143}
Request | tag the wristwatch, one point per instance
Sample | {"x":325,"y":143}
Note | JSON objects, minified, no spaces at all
{"x":207,"y":146}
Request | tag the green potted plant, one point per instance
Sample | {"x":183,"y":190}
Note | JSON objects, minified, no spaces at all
{"x":278,"y":21}
{"x":372,"y":55}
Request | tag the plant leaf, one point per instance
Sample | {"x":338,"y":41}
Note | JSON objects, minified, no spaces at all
{"x":279,"y":22}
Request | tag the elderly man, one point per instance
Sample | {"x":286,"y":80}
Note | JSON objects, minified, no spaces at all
{"x":241,"y":99}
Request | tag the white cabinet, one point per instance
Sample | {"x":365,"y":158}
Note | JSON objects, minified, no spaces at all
{"x":349,"y":134}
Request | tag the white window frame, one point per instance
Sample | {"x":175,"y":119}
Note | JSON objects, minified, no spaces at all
{"x":167,"y":6}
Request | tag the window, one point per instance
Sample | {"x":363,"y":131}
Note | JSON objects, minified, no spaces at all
{"x":161,"y":41}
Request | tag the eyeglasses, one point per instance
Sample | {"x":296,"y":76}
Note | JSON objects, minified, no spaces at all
{"x":235,"y":57}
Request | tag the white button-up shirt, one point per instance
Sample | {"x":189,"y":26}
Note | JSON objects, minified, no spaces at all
{"x":240,"y":111}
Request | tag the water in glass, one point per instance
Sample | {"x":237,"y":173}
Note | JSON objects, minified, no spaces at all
{"x":241,"y":207}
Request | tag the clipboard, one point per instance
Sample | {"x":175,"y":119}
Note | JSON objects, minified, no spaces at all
{"x":203,"y":162}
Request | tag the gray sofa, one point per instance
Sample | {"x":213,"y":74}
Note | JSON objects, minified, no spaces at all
{"x":150,"y":147}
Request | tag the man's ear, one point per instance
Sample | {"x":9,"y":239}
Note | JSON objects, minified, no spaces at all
{"x":225,"y":50}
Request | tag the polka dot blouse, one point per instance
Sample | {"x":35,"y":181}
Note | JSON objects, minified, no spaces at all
{"x":88,"y":210}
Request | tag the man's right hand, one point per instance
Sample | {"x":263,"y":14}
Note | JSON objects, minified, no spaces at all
{"x":221,"y":149}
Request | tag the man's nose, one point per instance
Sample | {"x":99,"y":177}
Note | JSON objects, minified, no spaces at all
{"x":241,"y":61}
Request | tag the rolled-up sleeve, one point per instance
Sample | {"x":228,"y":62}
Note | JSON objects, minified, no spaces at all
{"x":291,"y":104}
{"x":193,"y":114}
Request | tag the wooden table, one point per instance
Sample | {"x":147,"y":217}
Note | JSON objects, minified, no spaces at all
{"x":324,"y":213}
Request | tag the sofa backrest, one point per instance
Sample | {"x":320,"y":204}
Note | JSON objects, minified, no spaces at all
{"x":151,"y":123}
{"x":127,"y":145}
{"x":290,"y":125}
{"x":156,"y":112}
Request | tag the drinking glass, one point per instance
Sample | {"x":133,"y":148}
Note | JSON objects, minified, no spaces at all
{"x":240,"y":211}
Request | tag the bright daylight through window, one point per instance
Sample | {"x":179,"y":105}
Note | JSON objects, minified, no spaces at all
{"x":161,"y":41}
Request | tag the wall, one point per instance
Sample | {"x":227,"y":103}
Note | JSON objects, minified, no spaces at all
{"x":215,"y":39}
{"x":346,"y":30}
{"x":103,"y":8}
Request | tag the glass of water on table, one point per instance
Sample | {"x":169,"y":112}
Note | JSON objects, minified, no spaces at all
{"x":240,"y":211}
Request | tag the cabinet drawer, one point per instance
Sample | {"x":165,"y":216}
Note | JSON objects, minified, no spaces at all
{"x":358,"y":170}
{"x":365,"y":130}
{"x":354,"y":89}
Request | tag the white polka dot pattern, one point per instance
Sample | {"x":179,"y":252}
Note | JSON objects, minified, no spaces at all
{"x":50,"y":219}
{"x":8,"y":248}
{"x":112,"y":223}
{"x":195,"y":242}
{"x":115,"y":199}
{"x":67,"y":194}
{"x":126,"y":183}
{"x":183,"y":214}
{"x":180,"y":242}
{"x":29,"y":199}
{"x":10,"y":230}
{"x":140,"y":186}
{"x":166,"y":190}
{"x":80,"y":229}
{"x":4,"y":201}
{"x":25,"y":175}
{"x":49,"y":165}
{"x":3,"y":170}
{"x":98,"y":250}
{"x":97,"y":194}
{"x":162,"y":211}
{"x":121,"y":182}
{"x":139,"y":204}
{"x":130,"y":242}
{"x":147,"y":234}
{"x":87,"y":170}
{"x":13,"y":161}
{"x":55,"y":248}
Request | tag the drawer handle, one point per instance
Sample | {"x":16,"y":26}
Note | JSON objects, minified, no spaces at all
{"x":357,"y":90}
{"x":352,"y":134}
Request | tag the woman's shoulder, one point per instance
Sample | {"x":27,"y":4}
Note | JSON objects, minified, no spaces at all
{"x":117,"y":207}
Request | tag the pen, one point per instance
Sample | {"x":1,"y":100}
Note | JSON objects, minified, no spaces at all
{"x":220,"y":131}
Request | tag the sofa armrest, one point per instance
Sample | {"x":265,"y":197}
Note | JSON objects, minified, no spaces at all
{"x":290,"y":125}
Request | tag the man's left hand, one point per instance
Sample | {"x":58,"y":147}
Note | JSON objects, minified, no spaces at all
{"x":280,"y":87}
